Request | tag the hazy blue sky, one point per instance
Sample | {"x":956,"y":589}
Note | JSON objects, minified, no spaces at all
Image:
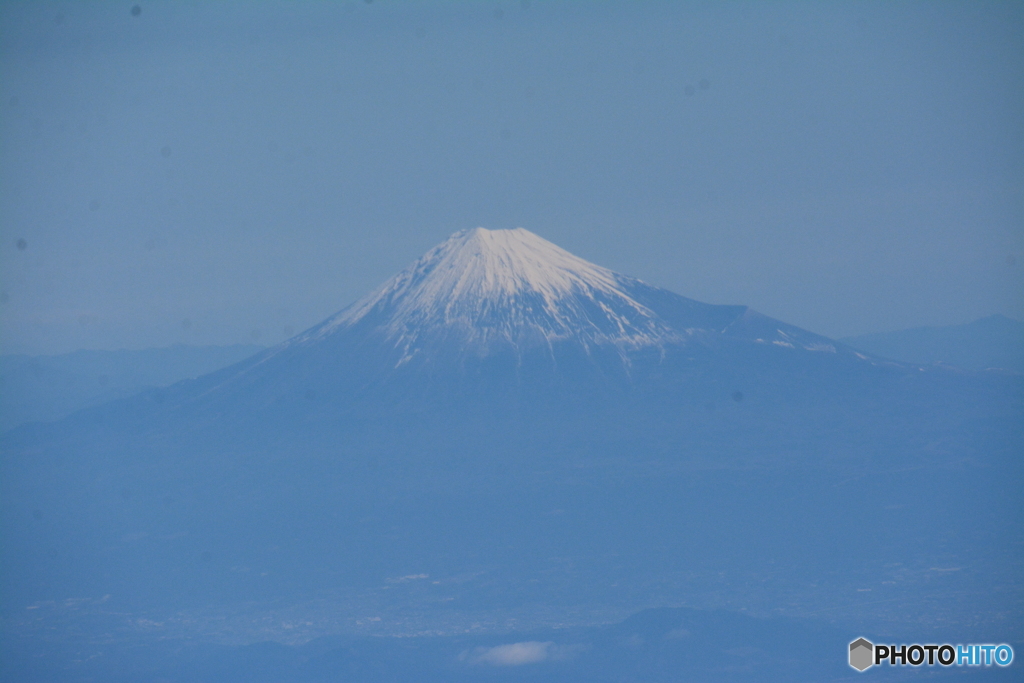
{"x":210,"y":172}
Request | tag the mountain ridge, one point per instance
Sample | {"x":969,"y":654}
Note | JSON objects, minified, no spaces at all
{"x":510,"y":297}
{"x":992,"y":342}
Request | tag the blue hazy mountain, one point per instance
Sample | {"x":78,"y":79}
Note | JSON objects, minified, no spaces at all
{"x":992,"y":342}
{"x":503,"y":439}
{"x":44,"y":388}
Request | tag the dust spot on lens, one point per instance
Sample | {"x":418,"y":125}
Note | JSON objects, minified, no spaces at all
{"x":255,"y":335}
{"x":310,"y":395}
{"x":58,"y":19}
{"x":1011,"y":260}
{"x":737,"y":396}
{"x":206,"y":556}
{"x":704,"y":84}
{"x":103,"y":380}
{"x":165,"y":151}
{"x":168,"y":501}
{"x":709,"y":406}
{"x":506,"y":134}
{"x":186,"y":324}
{"x":37,"y":514}
{"x":21,"y":244}
{"x":126,"y":493}
{"x":13,"y":102}
{"x":94,"y":205}
{"x":136,"y":10}
{"x":4,"y":297}
{"x":525,"y":4}
{"x":499,"y":13}
{"x":689,"y":90}
{"x":421,"y":32}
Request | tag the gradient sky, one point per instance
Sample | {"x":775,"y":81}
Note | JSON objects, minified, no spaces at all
{"x":214,"y":173}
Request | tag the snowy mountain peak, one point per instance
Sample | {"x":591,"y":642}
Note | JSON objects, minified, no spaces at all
{"x":508,"y":287}
{"x":493,"y":264}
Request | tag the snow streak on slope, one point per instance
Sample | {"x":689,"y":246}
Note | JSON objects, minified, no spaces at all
{"x":504,"y":286}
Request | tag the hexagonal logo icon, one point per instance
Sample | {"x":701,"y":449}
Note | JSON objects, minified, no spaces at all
{"x":862,"y":654}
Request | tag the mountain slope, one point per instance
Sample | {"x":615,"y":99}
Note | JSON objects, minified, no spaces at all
{"x":44,"y":388}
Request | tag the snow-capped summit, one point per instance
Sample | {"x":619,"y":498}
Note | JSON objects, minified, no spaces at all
{"x":485,"y":292}
{"x":507,"y":287}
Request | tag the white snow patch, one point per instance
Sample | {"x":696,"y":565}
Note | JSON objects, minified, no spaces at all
{"x":501,"y":285}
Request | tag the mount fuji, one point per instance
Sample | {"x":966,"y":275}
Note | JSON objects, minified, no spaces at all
{"x":502,"y":437}
{"x":510,"y":291}
{"x":490,"y":314}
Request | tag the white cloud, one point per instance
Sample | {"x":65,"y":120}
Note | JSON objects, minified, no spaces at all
{"x":514,"y":654}
{"x":407,"y":577}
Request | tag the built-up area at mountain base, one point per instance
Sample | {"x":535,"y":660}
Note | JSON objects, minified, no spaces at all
{"x":509,"y":462}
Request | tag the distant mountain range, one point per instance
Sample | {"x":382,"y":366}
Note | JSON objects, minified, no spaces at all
{"x":505,"y":434}
{"x":44,"y":388}
{"x":992,"y":342}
